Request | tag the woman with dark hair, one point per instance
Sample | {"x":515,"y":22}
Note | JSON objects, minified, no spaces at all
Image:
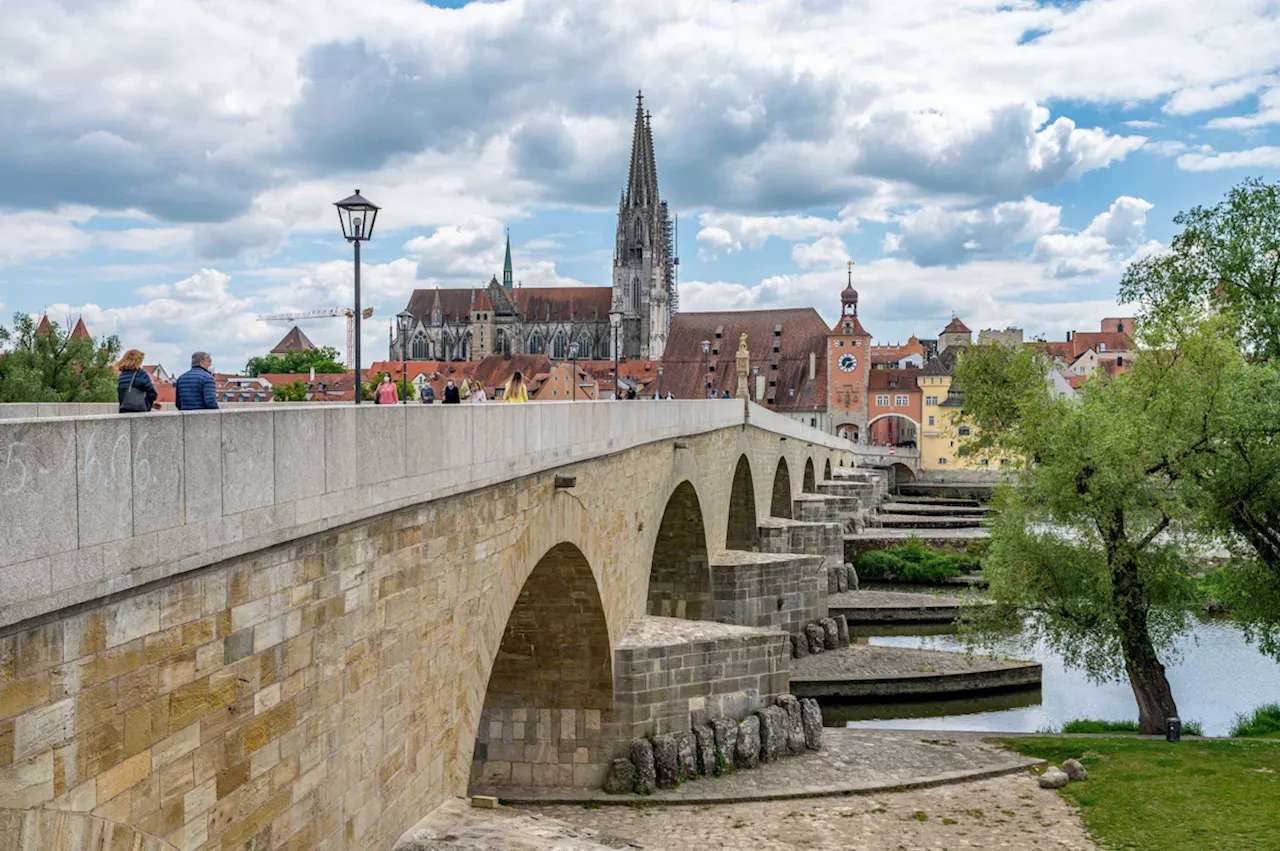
{"x":134,"y":389}
{"x":515,"y":390}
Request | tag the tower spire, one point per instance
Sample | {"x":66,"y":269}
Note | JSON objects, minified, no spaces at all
{"x":506,"y":264}
{"x":643,"y":177}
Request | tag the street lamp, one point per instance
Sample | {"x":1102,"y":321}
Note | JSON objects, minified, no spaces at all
{"x":659,"y":382}
{"x":706,"y":368}
{"x":615,"y":322}
{"x":404,"y":322}
{"x":357,"y":215}
{"x":573,"y":369}
{"x":755,"y":381}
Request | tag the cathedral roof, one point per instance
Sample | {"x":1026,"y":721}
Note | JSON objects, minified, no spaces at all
{"x":455,"y":304}
{"x":559,"y":304}
{"x":294,"y":341}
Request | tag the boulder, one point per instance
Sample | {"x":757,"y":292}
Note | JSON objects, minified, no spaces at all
{"x":747,"y":753}
{"x":1054,"y":778}
{"x":621,"y":777}
{"x":831,"y":634}
{"x":811,"y":719}
{"x":687,"y":754}
{"x":773,"y":733}
{"x":725,"y":732}
{"x":1074,"y":770}
{"x":816,"y":636}
{"x":842,"y":629}
{"x":799,"y":645}
{"x":852,"y":574}
{"x":842,"y":578}
{"x":646,"y":782}
{"x":666,"y":761}
{"x":705,"y":738}
{"x":795,"y":724}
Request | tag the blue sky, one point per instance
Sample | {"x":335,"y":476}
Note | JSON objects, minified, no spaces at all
{"x":171,"y":172}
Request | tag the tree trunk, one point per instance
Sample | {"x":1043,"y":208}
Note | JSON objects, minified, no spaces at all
{"x":1146,"y":673}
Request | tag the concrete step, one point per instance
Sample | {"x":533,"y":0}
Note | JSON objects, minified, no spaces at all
{"x":972,"y":511}
{"x":920,"y":521}
{"x":937,"y":500}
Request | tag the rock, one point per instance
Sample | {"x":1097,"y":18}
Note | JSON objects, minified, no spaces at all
{"x":705,"y":739}
{"x":1054,"y":778}
{"x":833,"y":581}
{"x":811,"y":719}
{"x":853,"y":575}
{"x":842,"y":578}
{"x":799,"y":646}
{"x":666,"y":761}
{"x":747,"y":753}
{"x":831,"y":634}
{"x":842,"y":629}
{"x":687,"y":754}
{"x":726,"y":738}
{"x":621,"y":777}
{"x":1073,"y":769}
{"x":646,"y":782}
{"x":816,"y":637}
{"x":773,"y":733}
{"x":795,"y":724}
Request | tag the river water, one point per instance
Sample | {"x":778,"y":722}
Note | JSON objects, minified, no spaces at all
{"x":1218,"y":675}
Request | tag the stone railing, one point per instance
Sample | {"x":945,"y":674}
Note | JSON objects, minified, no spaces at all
{"x":94,"y":505}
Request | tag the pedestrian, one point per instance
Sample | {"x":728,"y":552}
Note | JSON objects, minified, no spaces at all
{"x":515,"y":390}
{"x":134,"y":389}
{"x":670,"y":396}
{"x":631,"y":392}
{"x":479,"y":395}
{"x":451,"y":396}
{"x":195,"y":389}
{"x":725,"y":395}
{"x":386,"y":394}
{"x":464,"y":389}
{"x":428,"y":395}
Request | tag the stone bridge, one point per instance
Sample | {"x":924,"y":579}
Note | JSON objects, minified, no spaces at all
{"x":307,"y":626}
{"x":903,"y":464}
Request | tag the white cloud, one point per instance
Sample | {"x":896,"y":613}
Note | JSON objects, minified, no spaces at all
{"x":731,"y":232}
{"x":1098,"y":248}
{"x":935,"y":236}
{"x":42,"y":235}
{"x":825,"y":252}
{"x":1268,"y":112}
{"x":1267,"y":156}
{"x":1202,"y":98}
{"x":1142,"y":124}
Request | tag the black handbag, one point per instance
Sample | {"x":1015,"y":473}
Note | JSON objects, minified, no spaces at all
{"x":134,"y":400}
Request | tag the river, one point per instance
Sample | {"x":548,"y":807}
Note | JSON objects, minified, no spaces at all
{"x":1216,"y":676}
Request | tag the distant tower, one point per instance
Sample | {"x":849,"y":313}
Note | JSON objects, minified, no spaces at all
{"x":506,"y":265}
{"x":643,"y":261}
{"x":848,"y":368}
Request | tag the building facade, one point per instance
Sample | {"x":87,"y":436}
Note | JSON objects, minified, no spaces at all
{"x":848,"y":368}
{"x":564,"y":322}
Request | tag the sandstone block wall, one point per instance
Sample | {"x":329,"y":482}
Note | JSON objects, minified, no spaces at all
{"x":768,"y":590}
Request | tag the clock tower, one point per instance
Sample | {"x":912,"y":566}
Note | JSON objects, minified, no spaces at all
{"x":848,"y":368}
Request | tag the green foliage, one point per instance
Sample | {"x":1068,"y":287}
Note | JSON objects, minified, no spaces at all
{"x":1212,"y":795}
{"x":1090,"y":725}
{"x":915,"y":562}
{"x":1004,"y":388}
{"x":294,"y":391}
{"x":718,"y":769}
{"x":1226,"y":259}
{"x":54,"y":366}
{"x":323,"y":359}
{"x":1264,"y":723}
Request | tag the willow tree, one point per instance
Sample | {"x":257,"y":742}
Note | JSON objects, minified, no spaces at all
{"x":1088,"y":551}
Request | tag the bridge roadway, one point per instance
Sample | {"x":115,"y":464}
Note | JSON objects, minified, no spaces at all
{"x":306,"y":626}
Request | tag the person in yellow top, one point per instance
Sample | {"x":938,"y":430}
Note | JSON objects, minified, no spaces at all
{"x":515,"y":390}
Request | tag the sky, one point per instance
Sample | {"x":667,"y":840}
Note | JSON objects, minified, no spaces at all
{"x":170,"y":166}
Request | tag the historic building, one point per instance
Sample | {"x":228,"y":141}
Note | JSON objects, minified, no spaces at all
{"x":848,"y":368}
{"x":562,"y":322}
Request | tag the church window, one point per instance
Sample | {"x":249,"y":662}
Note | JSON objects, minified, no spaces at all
{"x":420,"y":348}
{"x":558,"y":346}
{"x":635,"y":294}
{"x":639,"y":237}
{"x":501,"y":345}
{"x":535,"y":343}
{"x":602,"y":348}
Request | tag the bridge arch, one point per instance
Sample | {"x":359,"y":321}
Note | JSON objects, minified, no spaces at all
{"x":894,"y":430}
{"x":742,"y":531}
{"x":780,"y":497}
{"x":810,"y":482}
{"x":826,"y":470}
{"x":680,"y":570}
{"x":900,"y":473}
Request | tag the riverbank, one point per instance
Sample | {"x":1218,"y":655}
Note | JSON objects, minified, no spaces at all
{"x":896,"y":607}
{"x":862,"y":672}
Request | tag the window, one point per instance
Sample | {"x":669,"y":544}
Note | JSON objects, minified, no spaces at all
{"x":985,"y":462}
{"x":635,"y":295}
{"x":639,"y":235}
{"x":1119,"y":361}
{"x":1102,"y":347}
{"x":964,"y":431}
{"x":559,"y":346}
{"x":602,"y":348}
{"x":535,"y":343}
{"x":882,"y":399}
{"x":942,"y":462}
{"x":900,"y":400}
{"x":930,"y":420}
{"x":501,"y":345}
{"x":1004,"y":461}
{"x":419,"y":348}
{"x":931,"y":400}
{"x":813,"y":421}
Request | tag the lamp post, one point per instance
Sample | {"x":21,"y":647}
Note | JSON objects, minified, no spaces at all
{"x":706,"y":369}
{"x":357,"y":215}
{"x":755,"y":381}
{"x":615,"y":322}
{"x":659,"y":382}
{"x":404,"y":321}
{"x":573,"y":369}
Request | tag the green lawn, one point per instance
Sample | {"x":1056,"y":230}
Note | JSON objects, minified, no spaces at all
{"x":1142,"y":795}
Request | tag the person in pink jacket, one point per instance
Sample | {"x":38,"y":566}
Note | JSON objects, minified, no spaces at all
{"x":386,"y":393}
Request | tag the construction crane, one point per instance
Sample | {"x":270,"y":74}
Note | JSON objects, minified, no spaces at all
{"x":328,"y":314}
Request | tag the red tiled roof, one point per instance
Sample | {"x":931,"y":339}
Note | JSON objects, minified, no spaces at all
{"x":1054,"y":349}
{"x":80,"y":331}
{"x":857,"y":328}
{"x":166,"y":393}
{"x":294,"y":341}
{"x":956,"y":327}
{"x":559,"y":304}
{"x":44,"y":327}
{"x":901,"y":380}
{"x":786,"y":372}
{"x":455,"y":305}
{"x":1082,"y":341}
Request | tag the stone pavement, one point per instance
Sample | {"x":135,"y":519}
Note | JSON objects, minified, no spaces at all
{"x":851,"y":761}
{"x":864,"y":660}
{"x":927,"y":598}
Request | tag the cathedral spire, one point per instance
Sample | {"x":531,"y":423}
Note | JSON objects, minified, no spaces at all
{"x":642,"y":181}
{"x":506,"y":265}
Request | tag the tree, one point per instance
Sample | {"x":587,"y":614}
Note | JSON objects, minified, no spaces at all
{"x":322,"y":360}
{"x":53,"y":366}
{"x":294,"y":391}
{"x":1088,"y":551}
{"x":1226,"y":260}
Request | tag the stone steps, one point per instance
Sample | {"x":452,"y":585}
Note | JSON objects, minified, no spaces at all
{"x":920,"y":521}
{"x":975,"y":512}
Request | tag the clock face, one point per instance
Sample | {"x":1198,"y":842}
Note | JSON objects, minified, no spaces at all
{"x":847,"y":363}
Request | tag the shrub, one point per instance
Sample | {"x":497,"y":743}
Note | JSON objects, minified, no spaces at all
{"x":914,"y":561}
{"x":878,"y":565}
{"x":1265,"y":721}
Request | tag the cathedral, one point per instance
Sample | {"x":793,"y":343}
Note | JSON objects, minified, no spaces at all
{"x":562,"y":322}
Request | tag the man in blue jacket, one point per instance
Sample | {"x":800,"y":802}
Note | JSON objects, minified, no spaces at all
{"x":195,"y":388}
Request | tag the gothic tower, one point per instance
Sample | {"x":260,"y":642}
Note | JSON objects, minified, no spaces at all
{"x":506,"y":266}
{"x":643,"y":270}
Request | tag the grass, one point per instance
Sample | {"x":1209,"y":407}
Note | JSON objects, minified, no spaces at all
{"x":1264,"y":722}
{"x":1150,"y":795}
{"x":1091,"y":725}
